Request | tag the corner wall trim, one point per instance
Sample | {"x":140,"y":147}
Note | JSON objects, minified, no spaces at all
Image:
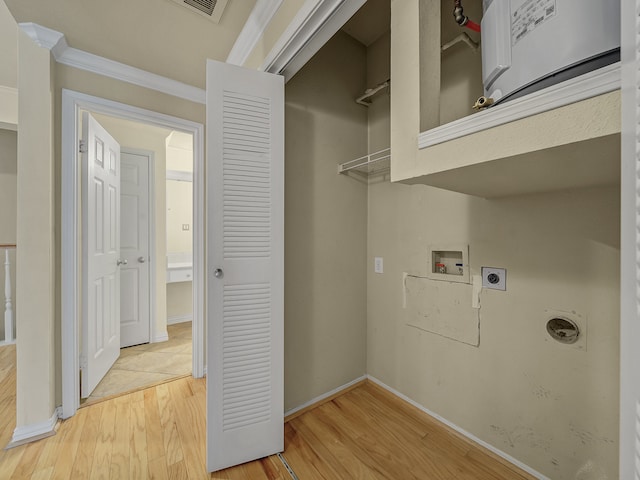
{"x":598,"y":82}
{"x":72,"y":57}
{"x":160,"y":337}
{"x":179,"y":319}
{"x":31,"y":433}
{"x":315,"y":23}
{"x":253,"y":30}
{"x":461,"y":431}
{"x":325,"y":397}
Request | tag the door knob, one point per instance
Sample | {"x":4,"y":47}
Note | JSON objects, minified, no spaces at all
{"x":142,"y":259}
{"x":218,"y":273}
{"x":121,"y":261}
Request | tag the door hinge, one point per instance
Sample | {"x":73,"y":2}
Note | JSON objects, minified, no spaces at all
{"x":83,"y":146}
{"x":83,"y":362}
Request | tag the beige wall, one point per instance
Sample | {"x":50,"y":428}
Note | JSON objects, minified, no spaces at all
{"x":179,"y":211}
{"x":551,"y":406}
{"x":8,"y":211}
{"x":179,"y":301}
{"x":461,"y":67}
{"x":9,"y":69}
{"x":8,"y":179}
{"x":180,"y":152}
{"x":8,"y":48}
{"x":325,"y":224}
{"x":378,"y":69}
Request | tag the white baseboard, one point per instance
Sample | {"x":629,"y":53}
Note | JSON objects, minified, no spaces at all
{"x":461,"y":431}
{"x":179,"y":319}
{"x":4,"y":343}
{"x":160,"y":337}
{"x":31,"y":433}
{"x":324,"y":396}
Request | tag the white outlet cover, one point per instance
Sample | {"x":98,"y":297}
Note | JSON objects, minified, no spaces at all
{"x":378,"y":266}
{"x":495,"y":278}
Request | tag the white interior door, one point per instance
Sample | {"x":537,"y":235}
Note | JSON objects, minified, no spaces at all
{"x":134,"y":248}
{"x":245,"y":264}
{"x":100,"y":253}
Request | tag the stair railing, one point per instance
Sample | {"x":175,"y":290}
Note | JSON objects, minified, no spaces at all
{"x":9,"y":326}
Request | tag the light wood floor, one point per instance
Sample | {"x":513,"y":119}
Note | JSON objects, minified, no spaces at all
{"x":148,"y":364}
{"x":160,"y":433}
{"x":7,"y":394}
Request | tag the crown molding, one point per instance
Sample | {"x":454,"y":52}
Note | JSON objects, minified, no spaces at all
{"x":43,"y":37}
{"x":66,"y":55}
{"x":103,"y":66}
{"x":315,"y":23}
{"x":253,"y":30}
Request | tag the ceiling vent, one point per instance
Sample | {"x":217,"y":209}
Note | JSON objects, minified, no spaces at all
{"x":212,"y":9}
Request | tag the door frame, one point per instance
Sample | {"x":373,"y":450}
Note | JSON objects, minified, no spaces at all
{"x":152,"y":228}
{"x":72,"y":103}
{"x":629,"y":245}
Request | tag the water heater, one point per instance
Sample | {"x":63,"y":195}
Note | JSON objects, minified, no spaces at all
{"x":531,"y":44}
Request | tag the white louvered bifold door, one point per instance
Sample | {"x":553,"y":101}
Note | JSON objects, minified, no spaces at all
{"x":630,"y":245}
{"x":245,"y":264}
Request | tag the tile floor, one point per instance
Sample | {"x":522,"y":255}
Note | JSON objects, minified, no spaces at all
{"x":148,"y":364}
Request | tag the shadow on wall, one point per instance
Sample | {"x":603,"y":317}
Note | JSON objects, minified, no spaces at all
{"x":325,"y":224}
{"x":300,"y":196}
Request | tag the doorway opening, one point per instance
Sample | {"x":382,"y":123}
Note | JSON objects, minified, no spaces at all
{"x":159,"y":350}
{"x":156,"y":220}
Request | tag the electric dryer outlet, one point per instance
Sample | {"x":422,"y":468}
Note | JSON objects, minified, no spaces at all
{"x":495,"y":278}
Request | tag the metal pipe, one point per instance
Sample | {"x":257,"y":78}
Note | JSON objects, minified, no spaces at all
{"x":458,"y":13}
{"x":461,"y":19}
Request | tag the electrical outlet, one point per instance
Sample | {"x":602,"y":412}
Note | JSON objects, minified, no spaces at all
{"x":378,"y":265}
{"x":185,"y":227}
{"x":495,"y":278}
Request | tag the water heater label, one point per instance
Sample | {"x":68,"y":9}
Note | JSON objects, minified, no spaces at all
{"x":527,"y":15}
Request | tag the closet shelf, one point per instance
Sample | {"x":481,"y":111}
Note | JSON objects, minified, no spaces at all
{"x":370,"y":92}
{"x":369,"y":165}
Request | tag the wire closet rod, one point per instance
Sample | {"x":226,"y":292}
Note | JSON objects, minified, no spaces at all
{"x":367,"y":162}
{"x":370,"y":92}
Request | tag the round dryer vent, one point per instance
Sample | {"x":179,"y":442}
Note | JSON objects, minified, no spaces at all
{"x":563,"y":330}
